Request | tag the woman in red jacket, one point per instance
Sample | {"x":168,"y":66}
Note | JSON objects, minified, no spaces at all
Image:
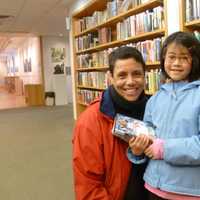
{"x":101,"y":169}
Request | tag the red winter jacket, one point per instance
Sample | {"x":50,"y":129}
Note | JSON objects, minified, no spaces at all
{"x":101,"y":169}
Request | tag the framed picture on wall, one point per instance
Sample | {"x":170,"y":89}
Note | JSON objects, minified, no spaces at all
{"x":57,"y":55}
{"x":27,"y":65}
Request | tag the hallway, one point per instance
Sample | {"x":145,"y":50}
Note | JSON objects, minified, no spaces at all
{"x":35,"y":151}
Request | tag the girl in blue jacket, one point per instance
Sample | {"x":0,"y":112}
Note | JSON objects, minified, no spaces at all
{"x":173,"y":171}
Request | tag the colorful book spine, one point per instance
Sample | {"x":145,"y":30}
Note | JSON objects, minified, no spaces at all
{"x":96,"y":80}
{"x":87,"y":96}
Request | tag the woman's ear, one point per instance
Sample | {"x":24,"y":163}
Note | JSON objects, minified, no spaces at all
{"x":108,"y":78}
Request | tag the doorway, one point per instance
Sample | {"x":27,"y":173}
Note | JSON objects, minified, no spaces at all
{"x":20,"y":70}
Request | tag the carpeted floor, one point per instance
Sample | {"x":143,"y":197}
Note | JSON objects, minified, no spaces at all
{"x":35,"y":153}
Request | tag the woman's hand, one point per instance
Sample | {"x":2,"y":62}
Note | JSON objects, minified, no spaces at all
{"x":139,"y":144}
{"x":149,"y":152}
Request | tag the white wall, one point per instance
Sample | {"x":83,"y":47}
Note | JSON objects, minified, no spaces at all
{"x":49,"y":42}
{"x":30,"y":48}
{"x":3,"y":71}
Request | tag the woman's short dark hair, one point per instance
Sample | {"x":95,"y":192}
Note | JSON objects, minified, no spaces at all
{"x":189,"y":41}
{"x":123,"y":53}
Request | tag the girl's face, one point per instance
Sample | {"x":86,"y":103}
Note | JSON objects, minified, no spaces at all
{"x":178,"y":62}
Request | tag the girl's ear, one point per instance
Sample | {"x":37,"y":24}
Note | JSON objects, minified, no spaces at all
{"x":109,"y":78}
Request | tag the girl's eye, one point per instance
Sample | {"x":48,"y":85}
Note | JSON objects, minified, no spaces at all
{"x":184,"y":58}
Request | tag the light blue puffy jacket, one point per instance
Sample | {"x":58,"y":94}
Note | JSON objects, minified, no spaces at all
{"x":174,"y":112}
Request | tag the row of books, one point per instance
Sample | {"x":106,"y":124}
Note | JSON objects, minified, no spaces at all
{"x":147,"y":21}
{"x":192,"y":10}
{"x":150,"y":50}
{"x":92,"y":79}
{"x":90,"y":40}
{"x":153,"y":80}
{"x":113,"y":8}
{"x":132,"y":26}
{"x":86,"y":96}
{"x":87,"y":41}
{"x":97,"y":59}
{"x":98,"y":17}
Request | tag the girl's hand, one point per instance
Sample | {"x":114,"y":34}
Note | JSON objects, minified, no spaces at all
{"x":139,"y":144}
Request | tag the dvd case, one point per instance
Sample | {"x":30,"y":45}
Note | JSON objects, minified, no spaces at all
{"x":126,"y":127}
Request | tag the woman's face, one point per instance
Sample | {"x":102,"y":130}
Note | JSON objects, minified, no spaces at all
{"x":178,"y":62}
{"x":128,"y":78}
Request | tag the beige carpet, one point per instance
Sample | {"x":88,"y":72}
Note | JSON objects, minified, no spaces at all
{"x":35,"y":153}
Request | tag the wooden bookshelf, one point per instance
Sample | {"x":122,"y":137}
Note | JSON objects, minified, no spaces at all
{"x":92,"y":68}
{"x":112,"y":23}
{"x":191,"y":25}
{"x":140,"y":37}
{"x":90,"y":88}
{"x":114,"y":20}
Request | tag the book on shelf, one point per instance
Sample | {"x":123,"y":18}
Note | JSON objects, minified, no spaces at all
{"x":125,"y":5}
{"x":192,"y":10}
{"x":127,"y":127}
{"x":87,"y":96}
{"x":147,"y":21}
{"x":92,"y":79}
{"x":102,"y":36}
{"x":150,"y":50}
{"x":153,"y":80}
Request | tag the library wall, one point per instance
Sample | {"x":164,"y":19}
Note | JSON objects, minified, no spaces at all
{"x":3,"y":71}
{"x":49,"y":42}
{"x":28,"y":54}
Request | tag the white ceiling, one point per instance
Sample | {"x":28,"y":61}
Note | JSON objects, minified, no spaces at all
{"x":10,"y":42}
{"x":31,"y":17}
{"x":42,"y":17}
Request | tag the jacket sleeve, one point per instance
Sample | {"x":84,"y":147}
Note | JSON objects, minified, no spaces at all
{"x":182,"y":151}
{"x":88,"y":164}
{"x":178,"y":151}
{"x":135,"y":159}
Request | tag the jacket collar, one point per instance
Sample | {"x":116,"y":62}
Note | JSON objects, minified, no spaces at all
{"x":181,"y":85}
{"x":106,"y":104}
